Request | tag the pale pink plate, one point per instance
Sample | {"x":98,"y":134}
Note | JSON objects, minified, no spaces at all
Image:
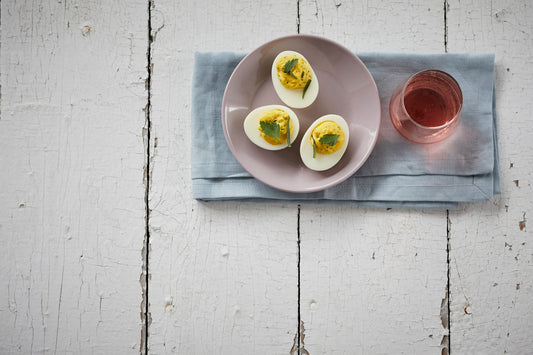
{"x":346,"y":88}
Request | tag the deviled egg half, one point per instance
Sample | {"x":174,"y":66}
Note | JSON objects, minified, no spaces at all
{"x":294,"y":80}
{"x":269,"y":126}
{"x":324,"y":142}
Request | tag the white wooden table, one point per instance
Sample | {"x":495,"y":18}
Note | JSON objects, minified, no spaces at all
{"x":106,"y":252}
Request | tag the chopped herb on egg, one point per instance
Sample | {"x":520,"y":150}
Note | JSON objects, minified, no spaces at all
{"x":288,"y":131}
{"x":289,"y":65}
{"x":314,"y":147}
{"x":329,"y":139}
{"x":306,"y":87}
{"x":271,"y":129}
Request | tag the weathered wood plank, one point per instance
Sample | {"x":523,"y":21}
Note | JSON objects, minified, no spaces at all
{"x":71,"y":136}
{"x":223,"y":275}
{"x":491,"y":243}
{"x":374,"y":280}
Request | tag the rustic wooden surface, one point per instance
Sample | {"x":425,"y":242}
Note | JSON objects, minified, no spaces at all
{"x":106,"y":251}
{"x":72,"y":216}
{"x":491,"y":246}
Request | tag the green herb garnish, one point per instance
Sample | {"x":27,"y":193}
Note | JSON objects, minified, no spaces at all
{"x":314,"y":147}
{"x":329,"y":139}
{"x":288,"y":132}
{"x":270,"y":129}
{"x":306,"y":87}
{"x":289,"y":65}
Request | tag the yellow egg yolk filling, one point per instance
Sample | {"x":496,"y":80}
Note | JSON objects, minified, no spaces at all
{"x":327,"y":128}
{"x":297,"y":76}
{"x":280,"y":117}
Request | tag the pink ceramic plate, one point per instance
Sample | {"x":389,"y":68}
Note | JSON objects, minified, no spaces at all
{"x":346,"y":89}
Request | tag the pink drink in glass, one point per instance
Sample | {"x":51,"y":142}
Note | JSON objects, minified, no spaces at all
{"x":427,"y":107}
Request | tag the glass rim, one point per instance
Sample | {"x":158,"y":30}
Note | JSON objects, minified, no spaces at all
{"x":453,"y":82}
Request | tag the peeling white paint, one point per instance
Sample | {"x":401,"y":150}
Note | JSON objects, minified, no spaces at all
{"x":73,"y":133}
{"x":71,"y":196}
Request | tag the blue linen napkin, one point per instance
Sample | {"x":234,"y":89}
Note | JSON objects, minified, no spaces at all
{"x":463,"y":168}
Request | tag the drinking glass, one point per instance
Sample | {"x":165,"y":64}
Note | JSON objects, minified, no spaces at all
{"x":427,"y":107}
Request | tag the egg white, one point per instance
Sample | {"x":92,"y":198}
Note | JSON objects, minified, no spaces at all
{"x":293,"y":97}
{"x":323,"y":161}
{"x":251,"y":124}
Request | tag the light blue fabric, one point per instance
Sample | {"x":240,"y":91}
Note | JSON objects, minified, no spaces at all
{"x":463,"y":168}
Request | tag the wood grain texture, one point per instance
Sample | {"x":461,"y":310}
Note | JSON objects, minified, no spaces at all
{"x":373,"y":281}
{"x":223,"y":279}
{"x":72,"y":216}
{"x":374,"y":25}
{"x":223,"y":276}
{"x":491,"y":243}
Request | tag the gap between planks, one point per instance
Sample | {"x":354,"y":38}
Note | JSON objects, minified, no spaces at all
{"x":144,"y":279}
